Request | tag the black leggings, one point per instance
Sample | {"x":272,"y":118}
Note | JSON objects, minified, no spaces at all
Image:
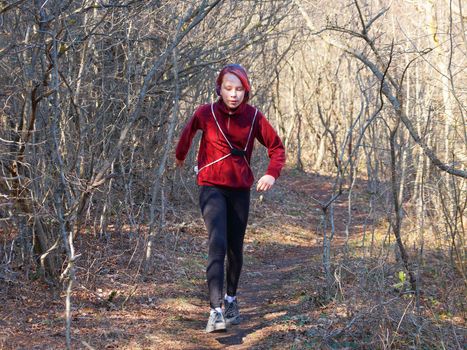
{"x":225,"y":214}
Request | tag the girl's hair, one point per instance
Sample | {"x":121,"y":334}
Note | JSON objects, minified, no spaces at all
{"x":241,"y":74}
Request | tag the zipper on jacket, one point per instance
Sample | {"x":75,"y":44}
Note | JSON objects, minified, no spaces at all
{"x":228,"y":123}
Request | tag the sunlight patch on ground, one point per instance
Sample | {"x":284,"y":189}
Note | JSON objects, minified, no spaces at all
{"x":178,"y":304}
{"x":274,"y":315}
{"x":289,"y":233}
{"x":271,"y":332}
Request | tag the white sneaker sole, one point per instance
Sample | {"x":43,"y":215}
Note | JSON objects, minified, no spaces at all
{"x":221,"y":327}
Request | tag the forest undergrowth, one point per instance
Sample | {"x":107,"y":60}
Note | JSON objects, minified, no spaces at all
{"x":284,"y":298}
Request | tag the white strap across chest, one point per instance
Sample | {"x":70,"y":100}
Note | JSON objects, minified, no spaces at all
{"x":227,"y":140}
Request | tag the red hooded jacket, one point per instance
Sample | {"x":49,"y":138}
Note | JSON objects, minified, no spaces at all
{"x":233,"y":171}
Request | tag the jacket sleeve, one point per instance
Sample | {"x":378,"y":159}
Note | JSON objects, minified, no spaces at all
{"x":186,"y":137}
{"x":268,"y":137}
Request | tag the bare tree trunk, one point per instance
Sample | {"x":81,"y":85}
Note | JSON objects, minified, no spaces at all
{"x":396,"y":225}
{"x":161,"y":169}
{"x":60,"y":195}
{"x":299,"y":163}
{"x":327,"y":216}
{"x":322,"y":150}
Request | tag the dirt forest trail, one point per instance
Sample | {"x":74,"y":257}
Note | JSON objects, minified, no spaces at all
{"x":265,"y":298}
{"x":280,"y":292}
{"x":270,"y":292}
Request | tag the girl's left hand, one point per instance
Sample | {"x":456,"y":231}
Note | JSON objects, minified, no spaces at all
{"x":265,"y":183}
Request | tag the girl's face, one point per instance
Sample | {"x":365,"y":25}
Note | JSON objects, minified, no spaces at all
{"x":232,"y":91}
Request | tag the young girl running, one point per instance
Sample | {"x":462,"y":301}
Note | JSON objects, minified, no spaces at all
{"x":229,"y":127}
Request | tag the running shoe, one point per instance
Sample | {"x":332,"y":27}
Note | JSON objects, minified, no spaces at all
{"x":232,"y":313}
{"x":216,"y":322}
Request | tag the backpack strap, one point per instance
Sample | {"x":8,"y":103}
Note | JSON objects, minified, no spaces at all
{"x":233,"y":151}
